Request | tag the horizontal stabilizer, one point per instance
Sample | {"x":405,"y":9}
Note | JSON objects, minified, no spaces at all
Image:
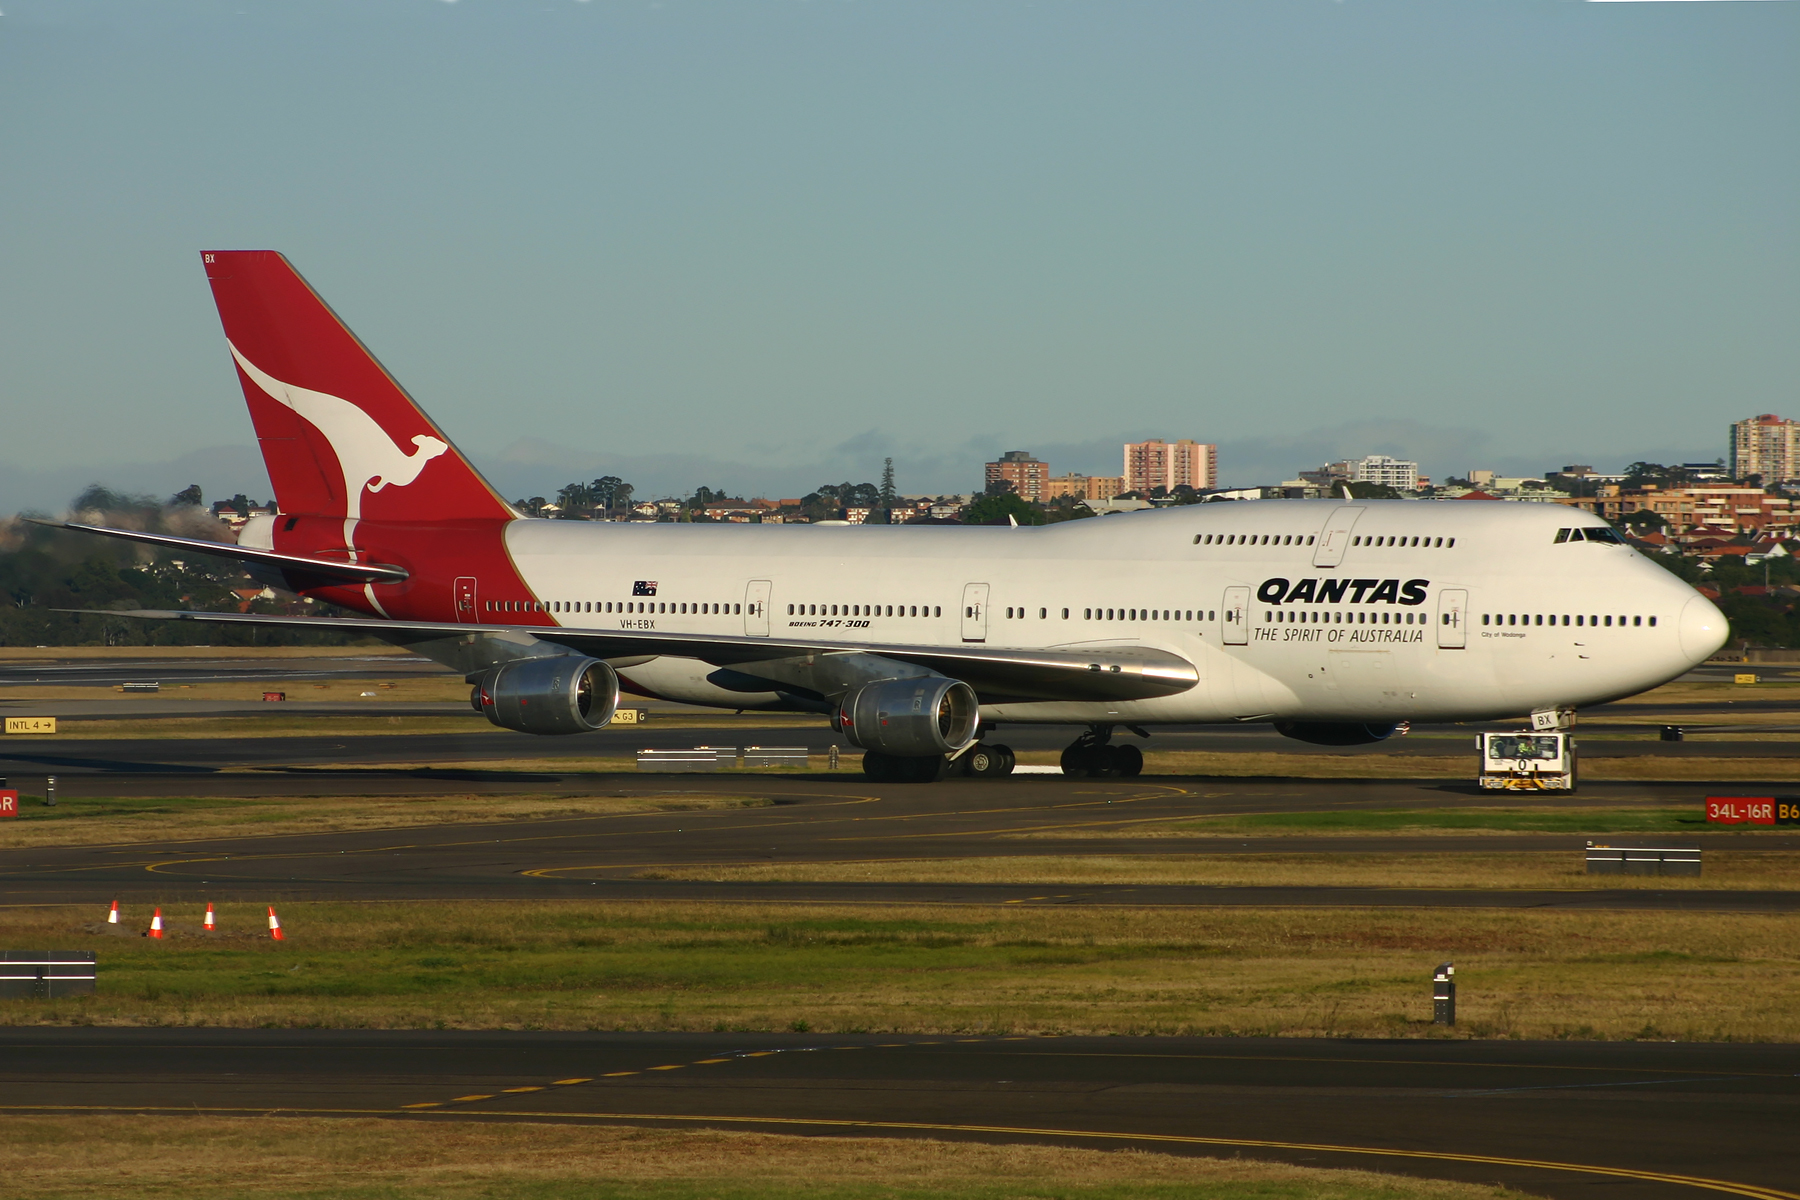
{"x":1096,"y":673}
{"x":335,"y":571}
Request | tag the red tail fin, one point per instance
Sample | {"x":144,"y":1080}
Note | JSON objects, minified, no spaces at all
{"x":340,"y":437}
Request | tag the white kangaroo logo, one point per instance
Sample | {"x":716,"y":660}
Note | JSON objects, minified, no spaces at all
{"x":368,"y":456}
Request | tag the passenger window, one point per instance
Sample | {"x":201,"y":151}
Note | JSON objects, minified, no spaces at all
{"x":1653,"y":620}
{"x":1609,"y":619}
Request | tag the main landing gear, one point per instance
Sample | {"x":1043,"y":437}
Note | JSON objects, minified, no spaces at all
{"x":1092,"y":755}
{"x":980,"y":761}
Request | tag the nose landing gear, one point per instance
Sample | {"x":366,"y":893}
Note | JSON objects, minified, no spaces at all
{"x":1092,"y":755}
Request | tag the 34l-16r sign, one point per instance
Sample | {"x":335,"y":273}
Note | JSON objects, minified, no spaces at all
{"x":1753,"y":810}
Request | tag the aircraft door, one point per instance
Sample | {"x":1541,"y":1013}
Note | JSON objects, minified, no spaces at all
{"x":1453,"y":617}
{"x":1236,"y":617}
{"x":467,"y":611}
{"x":974,"y":615}
{"x":1328,"y":551}
{"x":756,"y":608}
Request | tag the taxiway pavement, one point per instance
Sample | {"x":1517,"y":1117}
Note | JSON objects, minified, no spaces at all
{"x":656,"y":854}
{"x":1630,"y":1121}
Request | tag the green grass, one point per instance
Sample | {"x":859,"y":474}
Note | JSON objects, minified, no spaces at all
{"x":928,"y":969}
{"x":76,"y":808}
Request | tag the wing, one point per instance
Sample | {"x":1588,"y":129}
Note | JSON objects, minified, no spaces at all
{"x":304,"y":572}
{"x":1081,"y":674}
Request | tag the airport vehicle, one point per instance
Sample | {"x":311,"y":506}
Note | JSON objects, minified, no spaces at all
{"x":1335,"y":620}
{"x":1527,"y":761}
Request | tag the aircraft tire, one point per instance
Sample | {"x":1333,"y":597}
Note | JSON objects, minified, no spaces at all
{"x":1074,"y":762}
{"x":1128,"y":760}
{"x":985,"y":762}
{"x":1096,"y":762}
{"x":922,"y":769}
{"x":883,"y":768}
{"x":1008,"y":760}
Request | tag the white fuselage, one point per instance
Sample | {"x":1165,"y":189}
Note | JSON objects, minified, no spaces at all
{"x":1301,"y":610}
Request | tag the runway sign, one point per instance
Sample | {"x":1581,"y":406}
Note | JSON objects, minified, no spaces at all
{"x":9,"y":803}
{"x":628,"y":716}
{"x":31,"y":724}
{"x":1753,"y":810}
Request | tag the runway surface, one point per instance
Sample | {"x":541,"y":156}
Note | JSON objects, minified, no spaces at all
{"x":813,"y":820}
{"x":1630,"y":1121}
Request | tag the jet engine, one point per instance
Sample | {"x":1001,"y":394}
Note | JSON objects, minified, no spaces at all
{"x":1335,"y":733}
{"x":911,"y":718}
{"x":560,"y":694}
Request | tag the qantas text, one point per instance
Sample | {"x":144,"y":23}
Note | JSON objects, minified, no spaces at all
{"x":1331,"y":591}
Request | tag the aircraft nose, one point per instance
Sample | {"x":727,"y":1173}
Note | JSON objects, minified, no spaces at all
{"x":1703,"y":629}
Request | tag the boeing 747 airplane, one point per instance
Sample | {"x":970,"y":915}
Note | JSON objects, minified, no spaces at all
{"x":1334,"y":620}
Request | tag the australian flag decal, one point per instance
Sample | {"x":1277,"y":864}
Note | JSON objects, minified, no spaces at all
{"x":644,"y":587}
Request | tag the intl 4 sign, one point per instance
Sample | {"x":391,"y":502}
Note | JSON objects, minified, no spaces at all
{"x":1753,"y":810}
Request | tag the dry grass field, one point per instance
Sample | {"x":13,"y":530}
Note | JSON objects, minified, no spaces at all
{"x":96,"y":821}
{"x":931,"y":969}
{"x":105,"y":1157}
{"x":1743,"y":870}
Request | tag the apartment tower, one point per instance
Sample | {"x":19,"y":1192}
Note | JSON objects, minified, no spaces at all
{"x":1169,"y":465}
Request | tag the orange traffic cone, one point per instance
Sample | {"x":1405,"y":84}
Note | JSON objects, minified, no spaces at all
{"x":209,"y":916}
{"x":155,"y":929}
{"x":274,"y":925}
{"x":112,"y":918}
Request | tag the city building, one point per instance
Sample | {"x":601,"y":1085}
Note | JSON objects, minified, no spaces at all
{"x":1169,"y":465}
{"x":1083,"y":487}
{"x":1768,"y":446}
{"x":1725,"y":509}
{"x":1398,"y":473}
{"x":1026,"y":474}
{"x":236,"y":517}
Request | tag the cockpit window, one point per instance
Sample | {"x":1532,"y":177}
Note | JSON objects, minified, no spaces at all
{"x":1590,"y":533}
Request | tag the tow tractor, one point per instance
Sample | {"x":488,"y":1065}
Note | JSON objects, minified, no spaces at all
{"x":1528,"y":761}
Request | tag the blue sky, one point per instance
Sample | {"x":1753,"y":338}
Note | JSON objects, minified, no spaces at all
{"x":764,"y":244}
